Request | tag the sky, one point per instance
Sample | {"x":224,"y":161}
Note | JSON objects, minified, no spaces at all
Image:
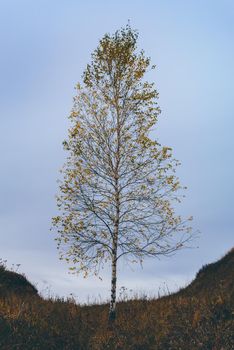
{"x":45,"y":46}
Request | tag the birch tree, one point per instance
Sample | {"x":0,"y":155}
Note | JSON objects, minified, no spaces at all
{"x":119,"y":188}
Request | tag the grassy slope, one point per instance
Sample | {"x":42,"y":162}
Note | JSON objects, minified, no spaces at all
{"x":197,"y":317}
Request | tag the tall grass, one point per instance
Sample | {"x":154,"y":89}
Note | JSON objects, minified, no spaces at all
{"x":197,"y":317}
{"x":173,"y":322}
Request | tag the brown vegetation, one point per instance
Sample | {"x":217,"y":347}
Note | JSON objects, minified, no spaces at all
{"x":197,"y":317}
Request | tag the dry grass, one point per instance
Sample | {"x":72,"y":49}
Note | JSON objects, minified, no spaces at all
{"x":186,"y":320}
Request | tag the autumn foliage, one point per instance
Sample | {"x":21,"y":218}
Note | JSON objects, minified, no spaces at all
{"x":119,"y":193}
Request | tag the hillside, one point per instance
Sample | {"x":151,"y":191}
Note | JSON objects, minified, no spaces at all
{"x":214,"y":277}
{"x":197,"y":317}
{"x":13,"y":282}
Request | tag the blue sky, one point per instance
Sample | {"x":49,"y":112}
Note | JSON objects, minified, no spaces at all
{"x":45,"y":46}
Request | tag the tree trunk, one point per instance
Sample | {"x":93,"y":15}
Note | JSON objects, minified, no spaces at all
{"x":112,"y":312}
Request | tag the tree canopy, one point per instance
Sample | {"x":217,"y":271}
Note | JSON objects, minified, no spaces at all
{"x":119,"y":188}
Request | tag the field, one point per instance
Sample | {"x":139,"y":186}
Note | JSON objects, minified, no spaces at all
{"x":197,"y":317}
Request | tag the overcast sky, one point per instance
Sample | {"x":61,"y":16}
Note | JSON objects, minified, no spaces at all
{"x":45,"y":46}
